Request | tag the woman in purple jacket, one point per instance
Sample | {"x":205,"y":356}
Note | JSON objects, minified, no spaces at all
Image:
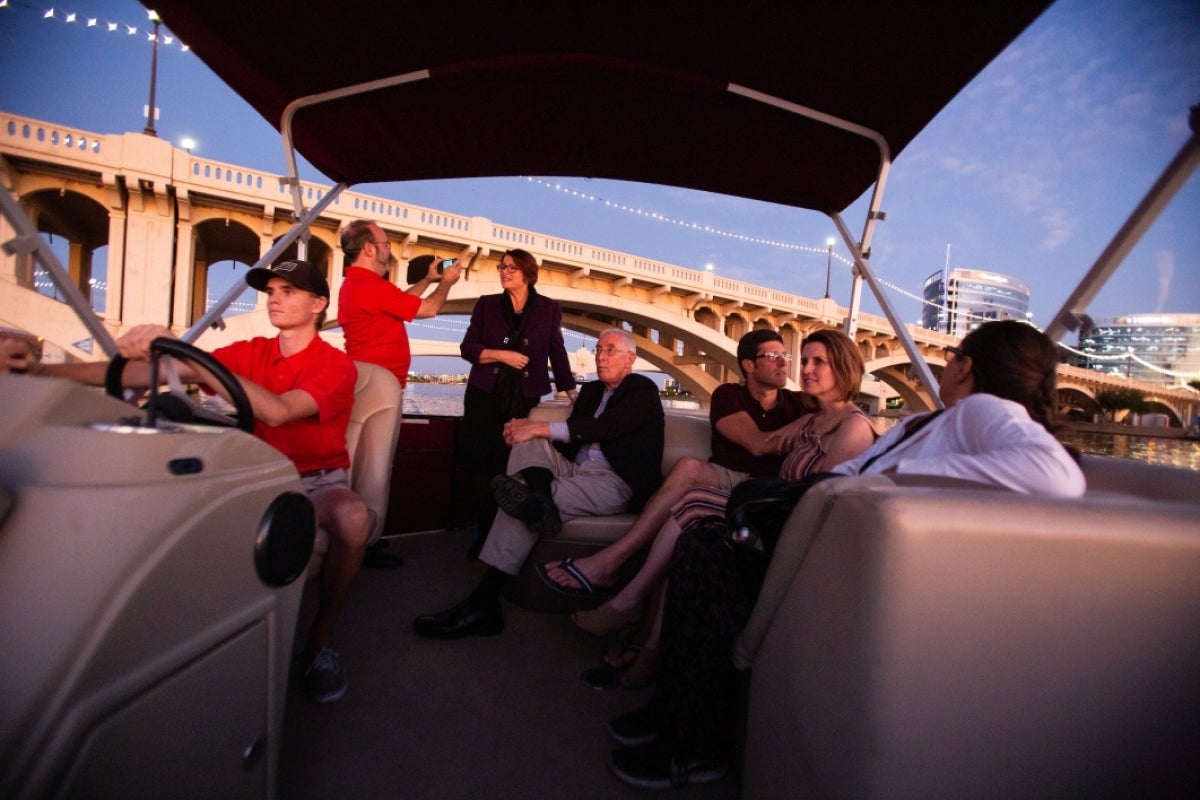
{"x":511,"y":338}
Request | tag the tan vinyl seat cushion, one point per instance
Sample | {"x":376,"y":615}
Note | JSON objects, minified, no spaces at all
{"x":934,"y":642}
{"x":371,"y":440}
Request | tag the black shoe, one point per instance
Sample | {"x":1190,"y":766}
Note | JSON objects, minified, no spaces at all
{"x":652,"y":766}
{"x":635,"y":728}
{"x":469,"y":618}
{"x":533,"y":508}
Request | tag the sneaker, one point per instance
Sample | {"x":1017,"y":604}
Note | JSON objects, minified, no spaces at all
{"x":635,"y":728}
{"x":652,"y":766}
{"x":324,"y":679}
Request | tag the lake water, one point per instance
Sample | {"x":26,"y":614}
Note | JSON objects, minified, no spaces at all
{"x":442,"y":400}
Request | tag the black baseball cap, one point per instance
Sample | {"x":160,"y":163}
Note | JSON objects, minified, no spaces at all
{"x":300,"y":274}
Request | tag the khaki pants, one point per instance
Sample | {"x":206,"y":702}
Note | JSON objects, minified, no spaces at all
{"x":590,"y":489}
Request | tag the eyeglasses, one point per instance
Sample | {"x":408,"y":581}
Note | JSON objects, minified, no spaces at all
{"x":507,"y":268}
{"x":954,"y":351}
{"x":775,"y":356}
{"x":610,"y":351}
{"x":384,"y":244}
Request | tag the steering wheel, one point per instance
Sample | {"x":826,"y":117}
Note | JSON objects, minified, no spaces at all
{"x":176,"y":405}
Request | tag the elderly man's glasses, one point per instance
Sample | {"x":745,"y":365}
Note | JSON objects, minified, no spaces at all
{"x":776,"y":356}
{"x":954,"y":351}
{"x":610,"y":351}
{"x":385,"y":244}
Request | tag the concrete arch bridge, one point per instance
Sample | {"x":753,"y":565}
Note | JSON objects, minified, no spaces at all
{"x":147,"y":230}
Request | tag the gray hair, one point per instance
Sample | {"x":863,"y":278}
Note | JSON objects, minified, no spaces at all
{"x":626,"y":337}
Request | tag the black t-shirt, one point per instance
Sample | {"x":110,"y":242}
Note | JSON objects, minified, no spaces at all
{"x":731,"y":398}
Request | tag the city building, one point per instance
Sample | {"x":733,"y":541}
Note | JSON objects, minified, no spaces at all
{"x":1155,"y":348}
{"x":959,"y":301}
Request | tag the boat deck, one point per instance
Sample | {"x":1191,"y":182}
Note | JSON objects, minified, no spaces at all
{"x":482,"y":717}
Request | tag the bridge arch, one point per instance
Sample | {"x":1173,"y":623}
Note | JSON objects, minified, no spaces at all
{"x":896,"y":371}
{"x":77,"y":216}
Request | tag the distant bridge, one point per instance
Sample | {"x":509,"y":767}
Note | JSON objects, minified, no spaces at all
{"x":154,"y":219}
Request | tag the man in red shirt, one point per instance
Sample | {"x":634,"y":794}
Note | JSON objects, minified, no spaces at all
{"x":301,"y":390}
{"x":372,"y":310}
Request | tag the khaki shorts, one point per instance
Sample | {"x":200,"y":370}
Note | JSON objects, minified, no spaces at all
{"x":316,"y":483}
{"x":728,"y":478}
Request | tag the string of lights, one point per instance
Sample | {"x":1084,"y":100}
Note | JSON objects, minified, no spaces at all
{"x":121,"y":28}
{"x":617,"y":205}
{"x":666,"y":218}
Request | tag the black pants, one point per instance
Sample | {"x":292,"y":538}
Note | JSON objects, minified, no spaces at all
{"x":483,"y":429}
{"x":713,"y":587}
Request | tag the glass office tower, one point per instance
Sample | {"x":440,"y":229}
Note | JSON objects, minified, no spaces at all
{"x":1168,"y":343}
{"x":959,"y":301}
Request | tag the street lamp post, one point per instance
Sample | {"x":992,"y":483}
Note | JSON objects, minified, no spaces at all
{"x":828,"y":264}
{"x":149,"y":130}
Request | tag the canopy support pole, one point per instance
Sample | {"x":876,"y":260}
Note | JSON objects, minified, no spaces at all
{"x":28,"y":240}
{"x":1072,"y":314}
{"x":212,"y":317}
{"x":861,"y":250}
{"x":863,"y":272}
{"x":289,"y":113}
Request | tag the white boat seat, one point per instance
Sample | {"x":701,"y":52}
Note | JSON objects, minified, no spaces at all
{"x":371,"y":441}
{"x":960,"y":642}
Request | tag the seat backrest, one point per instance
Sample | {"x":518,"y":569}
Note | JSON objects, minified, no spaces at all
{"x":940,"y":642}
{"x":790,"y":552}
{"x":371,"y":438}
{"x":1126,"y":476}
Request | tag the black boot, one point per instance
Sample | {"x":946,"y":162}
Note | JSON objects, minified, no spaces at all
{"x":523,"y":501}
{"x":539,"y":480}
{"x":478,"y":615}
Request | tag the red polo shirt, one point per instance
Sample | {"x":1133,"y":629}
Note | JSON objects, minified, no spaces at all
{"x":372,"y":312}
{"x":326,"y":373}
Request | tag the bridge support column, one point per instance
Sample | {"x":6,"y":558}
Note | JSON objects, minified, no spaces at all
{"x":186,"y":285}
{"x":265,"y":243}
{"x":114,"y":305}
{"x":149,"y":246}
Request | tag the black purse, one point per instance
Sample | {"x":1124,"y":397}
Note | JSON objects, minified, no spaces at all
{"x":509,"y":394}
{"x":759,"y":507}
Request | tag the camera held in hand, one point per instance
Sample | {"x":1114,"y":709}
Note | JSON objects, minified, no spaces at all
{"x":418,"y":267}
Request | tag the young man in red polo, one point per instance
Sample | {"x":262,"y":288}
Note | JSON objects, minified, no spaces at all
{"x":301,"y":390}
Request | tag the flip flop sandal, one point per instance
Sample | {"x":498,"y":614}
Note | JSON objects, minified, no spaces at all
{"x":584,"y":592}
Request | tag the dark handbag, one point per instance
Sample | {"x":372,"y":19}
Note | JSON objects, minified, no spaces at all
{"x":759,"y":507}
{"x":507,"y":393}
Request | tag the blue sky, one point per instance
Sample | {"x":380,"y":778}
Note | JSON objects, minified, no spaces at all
{"x":1028,"y":172}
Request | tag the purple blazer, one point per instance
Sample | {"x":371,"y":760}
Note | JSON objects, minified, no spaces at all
{"x":541,"y":340}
